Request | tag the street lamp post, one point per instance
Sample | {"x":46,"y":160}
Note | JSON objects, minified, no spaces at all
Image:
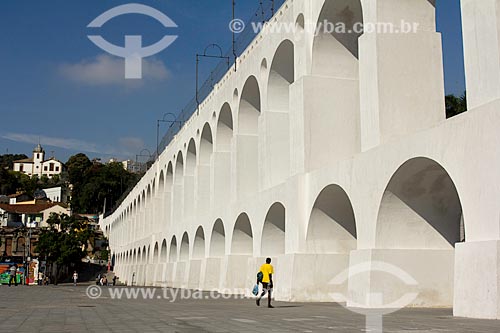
{"x":205,"y":55}
{"x":162,"y":120}
{"x":141,"y":154}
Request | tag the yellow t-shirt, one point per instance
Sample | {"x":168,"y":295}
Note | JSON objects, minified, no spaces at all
{"x":266,"y":269}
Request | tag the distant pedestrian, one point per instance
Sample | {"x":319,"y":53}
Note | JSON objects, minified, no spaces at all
{"x":114,"y":280}
{"x":13,"y":273}
{"x":75,"y":278}
{"x":40,"y":278}
{"x":267,"y":282}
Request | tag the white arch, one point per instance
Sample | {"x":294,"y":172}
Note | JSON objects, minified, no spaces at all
{"x":332,"y":224}
{"x":336,"y":54}
{"x":242,"y":240}
{"x":224,"y":129}
{"x":218,"y":240}
{"x":173,"y":250}
{"x":420,"y":208}
{"x":247,"y":150}
{"x":184,"y":251}
{"x":273,"y":232}
{"x":199,"y":244}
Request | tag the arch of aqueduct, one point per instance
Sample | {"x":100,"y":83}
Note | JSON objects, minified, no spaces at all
{"x":328,"y":151}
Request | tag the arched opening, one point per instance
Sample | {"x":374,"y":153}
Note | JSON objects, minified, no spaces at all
{"x":263,"y":68}
{"x":144,"y":255}
{"x":242,"y":242}
{"x":332,"y":225}
{"x":199,"y":244}
{"x":206,"y":150}
{"x":189,"y":194}
{"x":167,"y":201}
{"x":224,"y":129}
{"x":418,"y":224}
{"x":148,"y":210}
{"x":300,"y":22}
{"x":163,"y":251}
{"x":218,"y":240}
{"x":281,"y":76}
{"x":178,"y":188}
{"x":169,"y":179}
{"x":148,"y":255}
{"x":336,"y":51}
{"x":156,"y":253}
{"x":250,"y":107}
{"x":173,"y":250}
{"x":273,"y":233}
{"x":222,"y":161}
{"x":184,"y":253}
{"x":247,"y":158}
{"x":420,"y":209}
{"x":161,"y":184}
{"x":191,"y":158}
{"x":206,"y":145}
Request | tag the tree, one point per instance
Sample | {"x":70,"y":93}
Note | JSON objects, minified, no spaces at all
{"x":455,"y":105}
{"x":9,"y":183}
{"x":7,"y":160}
{"x":104,"y":255}
{"x":77,"y":166}
{"x":96,"y":183}
{"x":63,"y":243}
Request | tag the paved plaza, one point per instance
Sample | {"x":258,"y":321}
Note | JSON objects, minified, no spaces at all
{"x":66,"y":308}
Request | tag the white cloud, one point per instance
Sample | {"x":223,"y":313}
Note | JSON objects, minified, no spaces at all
{"x":125,"y":147}
{"x":131,"y":144}
{"x":107,"y":70}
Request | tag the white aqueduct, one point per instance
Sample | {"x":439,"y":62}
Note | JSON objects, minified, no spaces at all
{"x":325,"y":151}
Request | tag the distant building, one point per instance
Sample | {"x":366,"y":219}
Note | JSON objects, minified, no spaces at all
{"x":130,"y":166}
{"x":19,"y":197}
{"x":37,"y":165}
{"x":56,"y":194}
{"x":133,"y":166}
{"x":31,"y":215}
{"x":15,"y":245}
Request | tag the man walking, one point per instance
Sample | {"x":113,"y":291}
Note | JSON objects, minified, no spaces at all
{"x":267,"y":282}
{"x":13,"y":277}
{"x":75,"y":278}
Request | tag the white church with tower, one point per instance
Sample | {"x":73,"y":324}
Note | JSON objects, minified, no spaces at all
{"x":38,"y":165}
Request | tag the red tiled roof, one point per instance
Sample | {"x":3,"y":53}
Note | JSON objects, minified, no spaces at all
{"x":16,"y":195}
{"x":27,"y":208}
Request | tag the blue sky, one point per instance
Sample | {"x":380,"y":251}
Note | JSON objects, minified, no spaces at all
{"x":57,"y":86}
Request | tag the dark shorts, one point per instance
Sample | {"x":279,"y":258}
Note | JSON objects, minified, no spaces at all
{"x":266,"y":286}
